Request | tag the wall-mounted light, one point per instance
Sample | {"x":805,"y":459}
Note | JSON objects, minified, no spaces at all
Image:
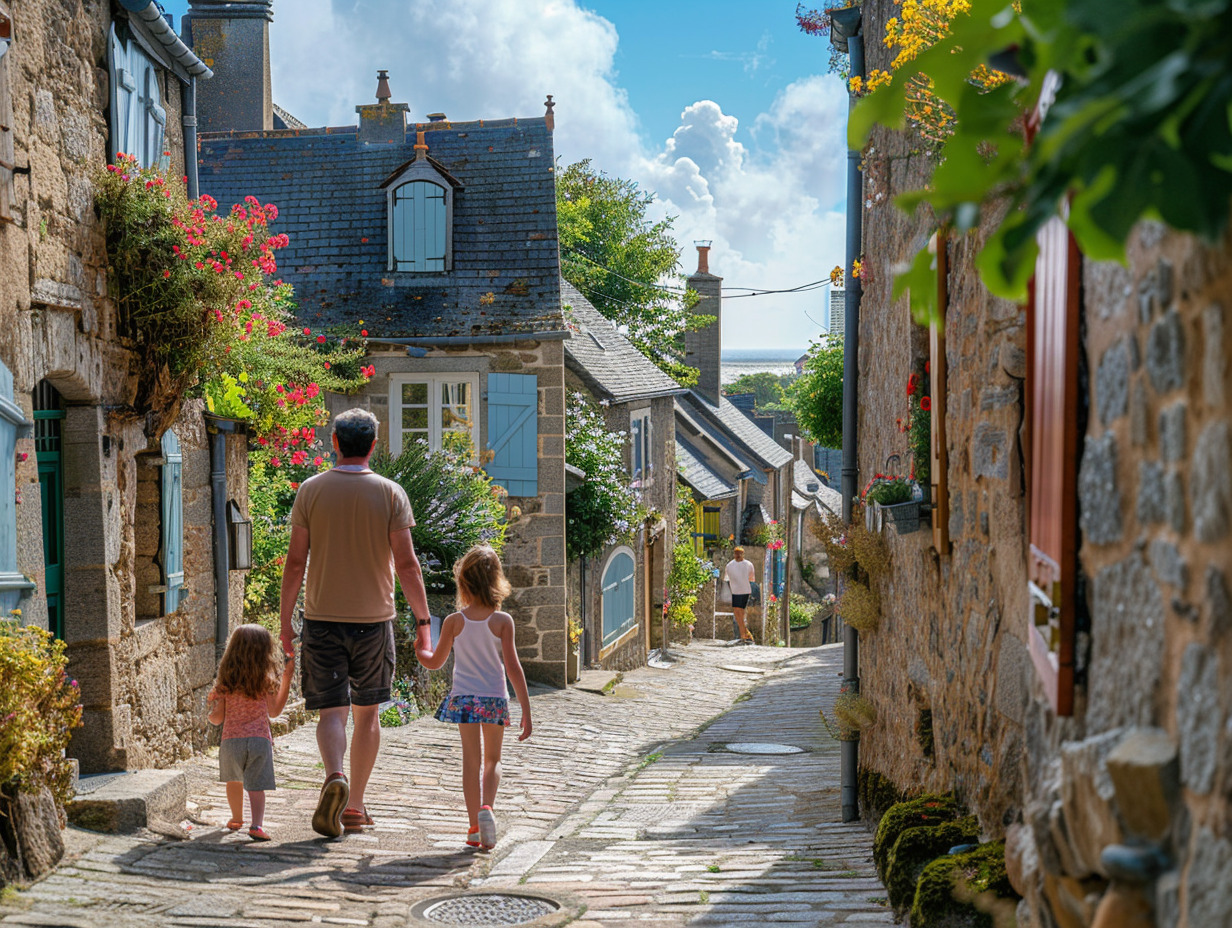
{"x":240,"y":530}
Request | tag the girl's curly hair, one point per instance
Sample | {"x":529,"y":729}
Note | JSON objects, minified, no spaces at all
{"x":249,"y":666}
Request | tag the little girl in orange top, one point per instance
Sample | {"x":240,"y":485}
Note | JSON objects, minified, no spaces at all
{"x":481,"y":637}
{"x":247,"y":695}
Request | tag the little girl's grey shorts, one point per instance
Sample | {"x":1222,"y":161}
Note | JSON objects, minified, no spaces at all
{"x":248,"y":759}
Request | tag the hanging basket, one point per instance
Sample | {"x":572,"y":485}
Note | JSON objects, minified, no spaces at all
{"x":905,"y":517}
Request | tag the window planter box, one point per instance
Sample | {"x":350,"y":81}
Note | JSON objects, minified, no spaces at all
{"x":905,"y":517}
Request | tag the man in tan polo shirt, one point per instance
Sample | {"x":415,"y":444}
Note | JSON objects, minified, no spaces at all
{"x":357,"y":527}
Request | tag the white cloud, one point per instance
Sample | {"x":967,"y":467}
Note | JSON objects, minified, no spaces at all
{"x":769,"y":205}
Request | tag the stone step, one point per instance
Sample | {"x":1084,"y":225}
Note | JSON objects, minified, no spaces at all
{"x":125,"y":802}
{"x":598,"y":681}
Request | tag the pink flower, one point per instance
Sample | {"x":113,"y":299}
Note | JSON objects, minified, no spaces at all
{"x":318,"y":461}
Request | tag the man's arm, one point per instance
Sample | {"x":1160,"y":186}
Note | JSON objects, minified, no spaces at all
{"x":292,"y":580}
{"x":406,"y":563}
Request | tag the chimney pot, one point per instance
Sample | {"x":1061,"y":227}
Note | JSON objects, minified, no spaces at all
{"x":383,"y":94}
{"x":549,"y":117}
{"x":703,"y":257}
{"x":436,"y":117}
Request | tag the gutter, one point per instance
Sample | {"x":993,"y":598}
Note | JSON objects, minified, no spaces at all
{"x":146,"y":16}
{"x":847,"y":35}
{"x":444,"y":341}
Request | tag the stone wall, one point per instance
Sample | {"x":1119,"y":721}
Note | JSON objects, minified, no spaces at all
{"x":534,"y":554}
{"x":140,"y":683}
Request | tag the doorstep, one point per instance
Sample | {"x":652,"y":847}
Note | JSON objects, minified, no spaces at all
{"x":598,"y":681}
{"x":129,"y":801}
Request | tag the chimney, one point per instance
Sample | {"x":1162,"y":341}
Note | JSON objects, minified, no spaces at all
{"x":382,"y":123}
{"x":232,"y":38}
{"x":703,"y":347}
{"x":549,"y":117}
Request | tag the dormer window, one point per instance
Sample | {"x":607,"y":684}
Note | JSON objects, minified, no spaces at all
{"x":419,"y":196}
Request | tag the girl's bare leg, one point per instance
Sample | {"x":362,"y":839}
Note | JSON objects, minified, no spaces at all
{"x":471,"y":761}
{"x":256,"y":799}
{"x":235,"y":799}
{"x":493,"y":740}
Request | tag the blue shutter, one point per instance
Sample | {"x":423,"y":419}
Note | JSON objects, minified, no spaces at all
{"x":12,"y":583}
{"x":172,"y":522}
{"x":619,"y":595}
{"x":513,"y":432}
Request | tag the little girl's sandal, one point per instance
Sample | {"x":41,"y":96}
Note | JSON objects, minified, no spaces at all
{"x":472,"y":837}
{"x":257,"y":833}
{"x":234,"y":825}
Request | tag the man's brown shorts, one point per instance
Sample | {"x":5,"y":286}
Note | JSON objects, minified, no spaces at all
{"x":346,"y":663}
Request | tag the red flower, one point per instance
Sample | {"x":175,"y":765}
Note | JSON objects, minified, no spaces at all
{"x":327,"y":365}
{"x":320,"y":339}
{"x":925,"y":403}
{"x":318,"y":461}
{"x":912,"y":383}
{"x":166,"y":274}
{"x":307,"y":331}
{"x":926,"y":366}
{"x":363,"y":332}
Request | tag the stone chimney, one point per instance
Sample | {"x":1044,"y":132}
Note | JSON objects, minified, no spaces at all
{"x":232,"y":38}
{"x":702,"y":348}
{"x":382,"y":123}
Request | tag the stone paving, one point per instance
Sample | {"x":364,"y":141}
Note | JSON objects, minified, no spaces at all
{"x":632,"y":803}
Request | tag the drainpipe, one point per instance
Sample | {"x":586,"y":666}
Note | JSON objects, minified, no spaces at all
{"x":188,"y":104}
{"x":218,"y":429}
{"x":846,"y":35}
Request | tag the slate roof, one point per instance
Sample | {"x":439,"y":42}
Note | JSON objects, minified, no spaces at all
{"x":716,"y":435}
{"x":327,"y":187}
{"x":700,"y":478}
{"x":769,"y":452}
{"x":802,"y":476}
{"x":607,"y":362}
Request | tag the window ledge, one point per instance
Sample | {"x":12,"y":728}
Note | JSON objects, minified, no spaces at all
{"x":16,"y":581}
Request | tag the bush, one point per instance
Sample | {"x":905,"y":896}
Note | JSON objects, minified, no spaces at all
{"x":686,"y":576}
{"x":877,"y":792}
{"x":817,"y":395}
{"x":604,"y":510}
{"x":38,"y":711}
{"x":970,"y":890}
{"x":859,"y":606}
{"x":888,"y":491}
{"x":800,"y":611}
{"x":456,"y":506}
{"x":931,"y":809}
{"x":919,"y":846}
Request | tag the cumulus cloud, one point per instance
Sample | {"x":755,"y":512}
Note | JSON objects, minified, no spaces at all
{"x":768,"y":193}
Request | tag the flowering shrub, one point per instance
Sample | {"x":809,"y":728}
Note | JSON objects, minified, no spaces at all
{"x":767,"y":535}
{"x":456,"y":505}
{"x":919,"y":426}
{"x":38,"y":710}
{"x":888,"y":490}
{"x":687,"y":574}
{"x":801,"y":612}
{"x":604,"y":510}
{"x":198,"y":297}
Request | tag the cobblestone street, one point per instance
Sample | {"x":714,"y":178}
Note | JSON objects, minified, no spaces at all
{"x":632,"y":803}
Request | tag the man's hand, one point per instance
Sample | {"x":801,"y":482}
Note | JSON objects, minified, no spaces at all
{"x":526,"y":726}
{"x":287,"y":636}
{"x":423,"y":655}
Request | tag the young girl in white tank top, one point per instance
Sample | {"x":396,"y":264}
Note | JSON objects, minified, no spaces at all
{"x":481,"y":638}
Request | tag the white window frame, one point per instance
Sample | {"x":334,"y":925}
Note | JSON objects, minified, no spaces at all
{"x":419,"y":170}
{"x":433,"y":381}
{"x":645,"y":435}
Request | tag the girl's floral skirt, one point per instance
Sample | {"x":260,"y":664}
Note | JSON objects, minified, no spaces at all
{"x":491,"y":710}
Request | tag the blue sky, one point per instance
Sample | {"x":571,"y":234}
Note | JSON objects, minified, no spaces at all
{"x":722,"y":108}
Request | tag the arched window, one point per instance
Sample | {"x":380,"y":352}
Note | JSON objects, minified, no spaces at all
{"x":419,"y":197}
{"x":619,"y":595}
{"x":419,"y":227}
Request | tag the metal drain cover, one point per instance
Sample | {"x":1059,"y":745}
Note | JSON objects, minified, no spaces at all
{"x":481,"y":909}
{"x":762,"y":747}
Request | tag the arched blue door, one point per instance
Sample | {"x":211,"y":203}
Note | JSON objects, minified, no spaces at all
{"x":618,"y":597}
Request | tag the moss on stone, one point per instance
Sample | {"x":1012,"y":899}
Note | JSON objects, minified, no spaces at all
{"x":929,"y":809}
{"x":919,"y":846}
{"x":877,"y":792}
{"x":964,"y":890}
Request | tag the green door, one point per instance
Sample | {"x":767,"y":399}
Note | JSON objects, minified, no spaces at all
{"x":48,"y":419}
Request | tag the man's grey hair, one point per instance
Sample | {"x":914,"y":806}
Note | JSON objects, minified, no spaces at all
{"x":356,"y":430}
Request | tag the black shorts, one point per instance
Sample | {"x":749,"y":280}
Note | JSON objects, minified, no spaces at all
{"x":346,"y":663}
{"x":740,"y":600}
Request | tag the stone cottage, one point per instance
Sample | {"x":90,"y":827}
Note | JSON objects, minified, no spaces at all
{"x":618,"y":595}
{"x":740,"y":478}
{"x":1056,"y":648}
{"x":107,"y":535}
{"x":438,"y":239}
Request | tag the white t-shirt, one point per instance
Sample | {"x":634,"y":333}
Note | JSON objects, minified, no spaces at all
{"x":740,"y":575}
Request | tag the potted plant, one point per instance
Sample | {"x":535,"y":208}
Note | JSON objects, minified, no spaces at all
{"x":895,"y":500}
{"x":573,"y":666}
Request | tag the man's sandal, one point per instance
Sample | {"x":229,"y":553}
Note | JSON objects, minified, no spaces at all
{"x":354,"y":820}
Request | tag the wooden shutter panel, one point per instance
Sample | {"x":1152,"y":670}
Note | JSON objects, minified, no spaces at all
{"x":172,"y":522}
{"x":513,"y":432}
{"x":123,"y":96}
{"x":1053,"y":318}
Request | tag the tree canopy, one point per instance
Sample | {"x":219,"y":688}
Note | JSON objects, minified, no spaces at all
{"x":770,"y":390}
{"x":817,"y":399}
{"x":625,"y":264}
